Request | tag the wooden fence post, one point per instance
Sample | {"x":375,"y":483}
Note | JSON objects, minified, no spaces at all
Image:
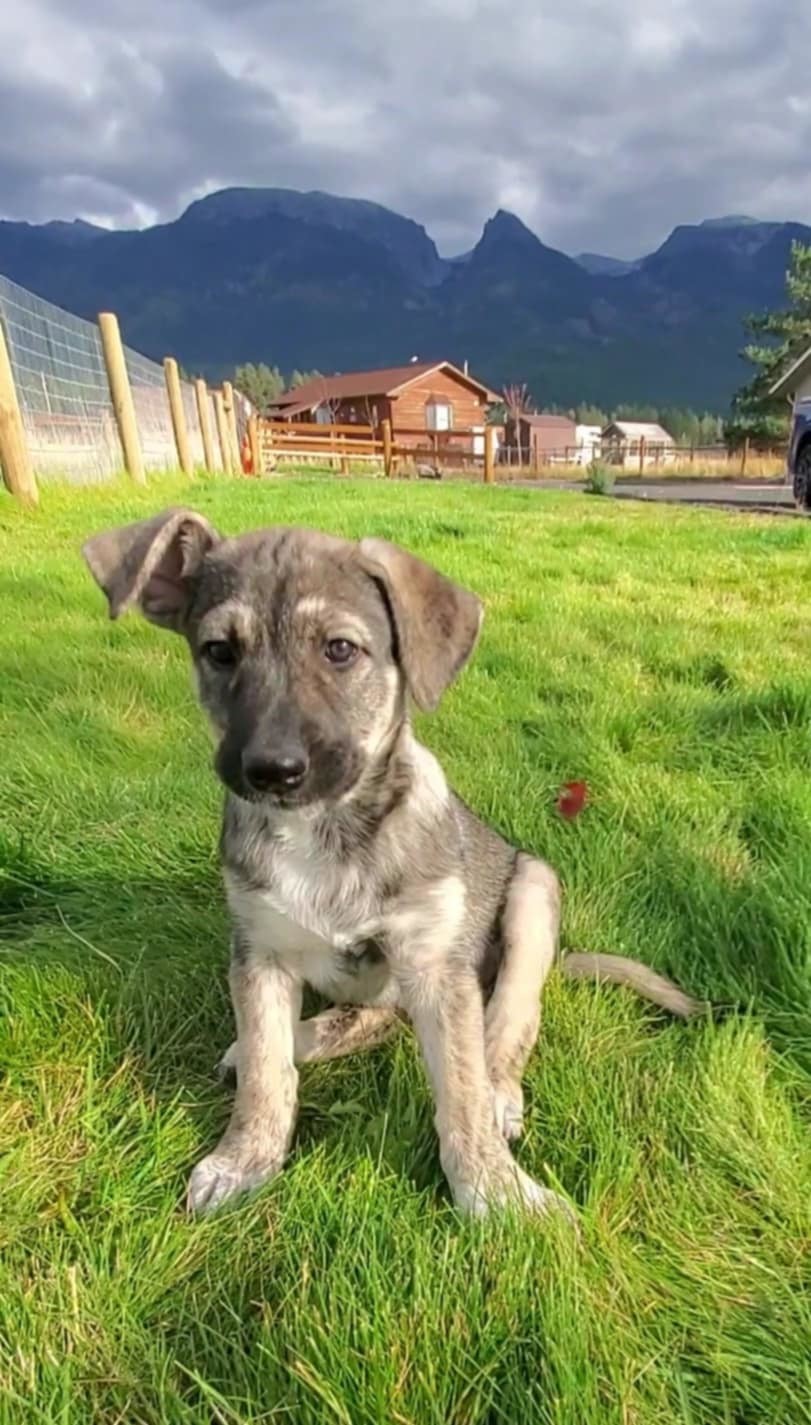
{"x":256,"y":449}
{"x":222,"y":433}
{"x":387,"y":463}
{"x":642,"y":455}
{"x":15,"y":461}
{"x":121,"y":395}
{"x":178,"y":412}
{"x":204,"y":417}
{"x":744,"y":456}
{"x":489,"y":455}
{"x":269,"y":448}
{"x":231,"y":422}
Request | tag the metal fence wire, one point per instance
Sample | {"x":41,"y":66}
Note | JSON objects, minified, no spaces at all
{"x":152,"y":414}
{"x":70,"y":428}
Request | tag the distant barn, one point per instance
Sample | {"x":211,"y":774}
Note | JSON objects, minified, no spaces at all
{"x":540,"y":440}
{"x":632,"y":444}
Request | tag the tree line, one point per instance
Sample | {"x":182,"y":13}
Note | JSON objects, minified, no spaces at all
{"x":687,"y":427}
{"x":264,"y":384}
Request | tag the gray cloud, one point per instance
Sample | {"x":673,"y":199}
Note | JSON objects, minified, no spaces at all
{"x":601,"y":126}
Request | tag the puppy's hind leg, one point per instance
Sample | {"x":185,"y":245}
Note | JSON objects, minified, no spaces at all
{"x":513,"y":1015}
{"x":329,"y":1035}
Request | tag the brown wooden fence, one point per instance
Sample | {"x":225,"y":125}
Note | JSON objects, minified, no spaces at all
{"x":354,"y":448}
{"x":335,"y":447}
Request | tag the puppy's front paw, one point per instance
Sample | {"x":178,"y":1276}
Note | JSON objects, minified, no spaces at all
{"x":543,"y":1200}
{"x":224,"y":1175}
{"x":500,"y":1183}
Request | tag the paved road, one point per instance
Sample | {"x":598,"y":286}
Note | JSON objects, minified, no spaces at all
{"x":759,"y":496}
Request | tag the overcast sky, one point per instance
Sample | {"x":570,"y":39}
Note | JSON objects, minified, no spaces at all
{"x":601,"y":123}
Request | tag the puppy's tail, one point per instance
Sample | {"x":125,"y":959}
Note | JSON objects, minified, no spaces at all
{"x":580,"y":965}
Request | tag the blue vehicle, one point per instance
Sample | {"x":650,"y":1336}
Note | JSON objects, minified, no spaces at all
{"x":798,"y":466}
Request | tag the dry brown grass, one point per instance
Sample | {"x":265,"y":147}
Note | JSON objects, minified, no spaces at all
{"x":769,"y":466}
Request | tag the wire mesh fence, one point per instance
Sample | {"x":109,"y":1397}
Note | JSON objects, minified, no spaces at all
{"x":57,"y":363}
{"x":62,"y":388}
{"x":152,"y":414}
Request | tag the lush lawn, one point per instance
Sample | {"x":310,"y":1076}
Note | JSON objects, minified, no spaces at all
{"x":665,"y":656}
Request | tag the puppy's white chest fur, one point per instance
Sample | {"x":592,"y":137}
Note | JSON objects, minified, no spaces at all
{"x":311,"y":917}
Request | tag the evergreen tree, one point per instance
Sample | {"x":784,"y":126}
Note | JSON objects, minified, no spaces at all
{"x":587,"y":415}
{"x":755,"y":413}
{"x":261,"y":384}
{"x":634,"y":411}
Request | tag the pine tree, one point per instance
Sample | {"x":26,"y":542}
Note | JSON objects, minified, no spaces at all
{"x":261,"y":384}
{"x":588,"y":415}
{"x":755,"y":413}
{"x":681,"y":424}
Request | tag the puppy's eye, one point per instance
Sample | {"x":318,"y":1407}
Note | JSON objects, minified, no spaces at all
{"x":341,"y":652}
{"x":220,"y":652}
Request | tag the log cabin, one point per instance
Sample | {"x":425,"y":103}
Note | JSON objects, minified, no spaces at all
{"x":431,"y":405}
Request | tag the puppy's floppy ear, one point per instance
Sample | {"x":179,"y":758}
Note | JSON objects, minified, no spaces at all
{"x":435,"y":623}
{"x":151,"y":564}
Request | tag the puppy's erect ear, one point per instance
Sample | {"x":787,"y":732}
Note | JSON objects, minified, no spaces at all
{"x":436,"y":623}
{"x":151,"y":564}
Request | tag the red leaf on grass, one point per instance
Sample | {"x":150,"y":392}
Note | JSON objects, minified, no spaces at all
{"x":572,"y":799}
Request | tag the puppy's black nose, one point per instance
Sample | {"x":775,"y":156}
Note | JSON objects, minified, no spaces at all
{"x":282,"y":772}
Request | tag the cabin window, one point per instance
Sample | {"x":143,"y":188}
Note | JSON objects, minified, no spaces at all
{"x":439,"y":415}
{"x":323,"y":415}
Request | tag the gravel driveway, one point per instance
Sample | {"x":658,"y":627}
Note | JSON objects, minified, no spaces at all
{"x":764,"y":496}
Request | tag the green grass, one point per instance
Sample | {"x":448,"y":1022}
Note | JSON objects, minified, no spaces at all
{"x":662,"y":655}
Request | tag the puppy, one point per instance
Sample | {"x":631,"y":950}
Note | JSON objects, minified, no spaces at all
{"x":349,"y":863}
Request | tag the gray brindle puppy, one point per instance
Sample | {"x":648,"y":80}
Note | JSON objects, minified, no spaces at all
{"x":349,"y":863}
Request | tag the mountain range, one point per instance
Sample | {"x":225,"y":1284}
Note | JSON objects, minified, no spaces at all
{"x":310,"y":280}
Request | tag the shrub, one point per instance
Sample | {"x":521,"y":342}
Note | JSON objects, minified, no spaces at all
{"x":599,"y":479}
